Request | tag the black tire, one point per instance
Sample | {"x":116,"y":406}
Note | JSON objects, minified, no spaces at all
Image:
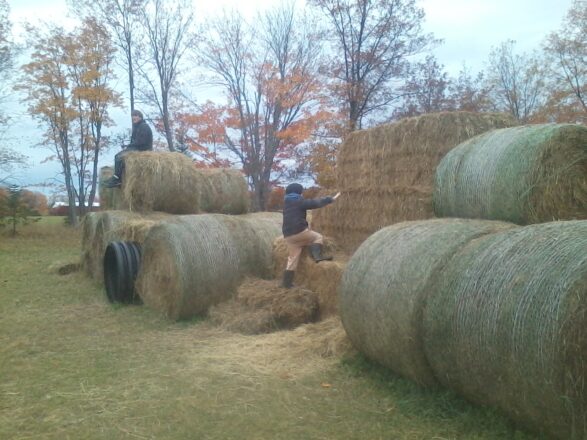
{"x":121,"y":265}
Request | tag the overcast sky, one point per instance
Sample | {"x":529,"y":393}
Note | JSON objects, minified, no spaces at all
{"x":469,"y":28}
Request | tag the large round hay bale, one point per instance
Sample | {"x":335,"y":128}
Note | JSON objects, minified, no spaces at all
{"x":223,"y":191}
{"x":507,"y":326}
{"x":529,"y":174}
{"x":199,"y":261}
{"x":164,"y":182}
{"x":387,"y":172}
{"x":386,"y":285}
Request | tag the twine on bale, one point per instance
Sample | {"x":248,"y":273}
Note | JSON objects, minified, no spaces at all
{"x":199,"y":261}
{"x":507,"y":326}
{"x":387,"y":283}
{"x":529,"y":174}
{"x":388,"y":172}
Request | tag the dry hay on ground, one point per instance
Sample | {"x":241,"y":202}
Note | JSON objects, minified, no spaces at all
{"x":64,"y":267}
{"x":529,"y":174}
{"x":101,"y":228}
{"x":507,"y":325}
{"x":387,"y":283}
{"x":262,"y":306}
{"x":386,"y":174}
{"x":169,"y":182}
{"x":199,"y":260}
{"x":322,"y":278}
{"x":285,"y":354}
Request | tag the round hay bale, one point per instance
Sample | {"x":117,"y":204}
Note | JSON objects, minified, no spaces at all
{"x":262,"y":306}
{"x":529,"y":174}
{"x":223,"y":191}
{"x":386,"y":285}
{"x":507,"y":326}
{"x":88,"y":233}
{"x":164,"y":182}
{"x":199,"y":261}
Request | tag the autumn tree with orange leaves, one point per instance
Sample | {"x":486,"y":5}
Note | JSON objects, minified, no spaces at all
{"x":269,"y":74}
{"x":67,"y":90}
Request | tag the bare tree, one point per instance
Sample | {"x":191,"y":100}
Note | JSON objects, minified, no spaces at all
{"x":567,"y":51}
{"x":121,"y":18}
{"x":470,"y":93}
{"x":425,"y":90}
{"x":169,"y":36}
{"x":517,"y":81}
{"x":373,"y":40}
{"x":270,"y":74}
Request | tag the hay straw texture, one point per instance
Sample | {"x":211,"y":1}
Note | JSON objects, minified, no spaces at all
{"x":508,"y":326}
{"x":199,"y":260}
{"x":169,"y":182}
{"x":100,"y":228}
{"x":388,"y":281}
{"x":386,"y":174}
{"x":529,"y":174}
{"x":322,"y":278}
{"x":262,"y":306}
{"x":223,"y":191}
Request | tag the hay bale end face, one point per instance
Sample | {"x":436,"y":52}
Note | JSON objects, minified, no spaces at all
{"x":507,"y":326}
{"x":386,"y":173}
{"x":199,"y":261}
{"x":386,"y":285}
{"x":529,"y":174}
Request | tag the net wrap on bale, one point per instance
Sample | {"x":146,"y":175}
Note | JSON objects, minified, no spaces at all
{"x":387,"y":283}
{"x":507,"y":326}
{"x":528,"y":174}
{"x":386,"y":173}
{"x":169,"y":182}
{"x":199,"y":261}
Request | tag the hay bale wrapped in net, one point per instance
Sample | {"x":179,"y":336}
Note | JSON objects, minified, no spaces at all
{"x":507,"y":326}
{"x":529,"y":174}
{"x":388,"y":281}
{"x":223,"y":191}
{"x":169,"y":182}
{"x":386,"y":173}
{"x":199,"y":260}
{"x":111,"y":226}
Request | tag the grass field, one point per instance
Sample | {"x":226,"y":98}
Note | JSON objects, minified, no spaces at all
{"x":73,"y":366}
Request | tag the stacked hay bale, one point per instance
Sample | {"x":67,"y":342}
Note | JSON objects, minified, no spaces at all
{"x":169,"y":182}
{"x":529,"y":174}
{"x":198,"y":261}
{"x":386,"y":174}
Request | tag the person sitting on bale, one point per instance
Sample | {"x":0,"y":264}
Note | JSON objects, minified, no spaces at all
{"x":141,"y":139}
{"x":296,"y":232}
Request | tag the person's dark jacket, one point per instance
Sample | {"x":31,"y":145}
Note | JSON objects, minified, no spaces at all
{"x":141,"y":138}
{"x":294,"y":212}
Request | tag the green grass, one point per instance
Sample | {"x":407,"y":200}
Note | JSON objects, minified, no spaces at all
{"x":73,"y":366}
